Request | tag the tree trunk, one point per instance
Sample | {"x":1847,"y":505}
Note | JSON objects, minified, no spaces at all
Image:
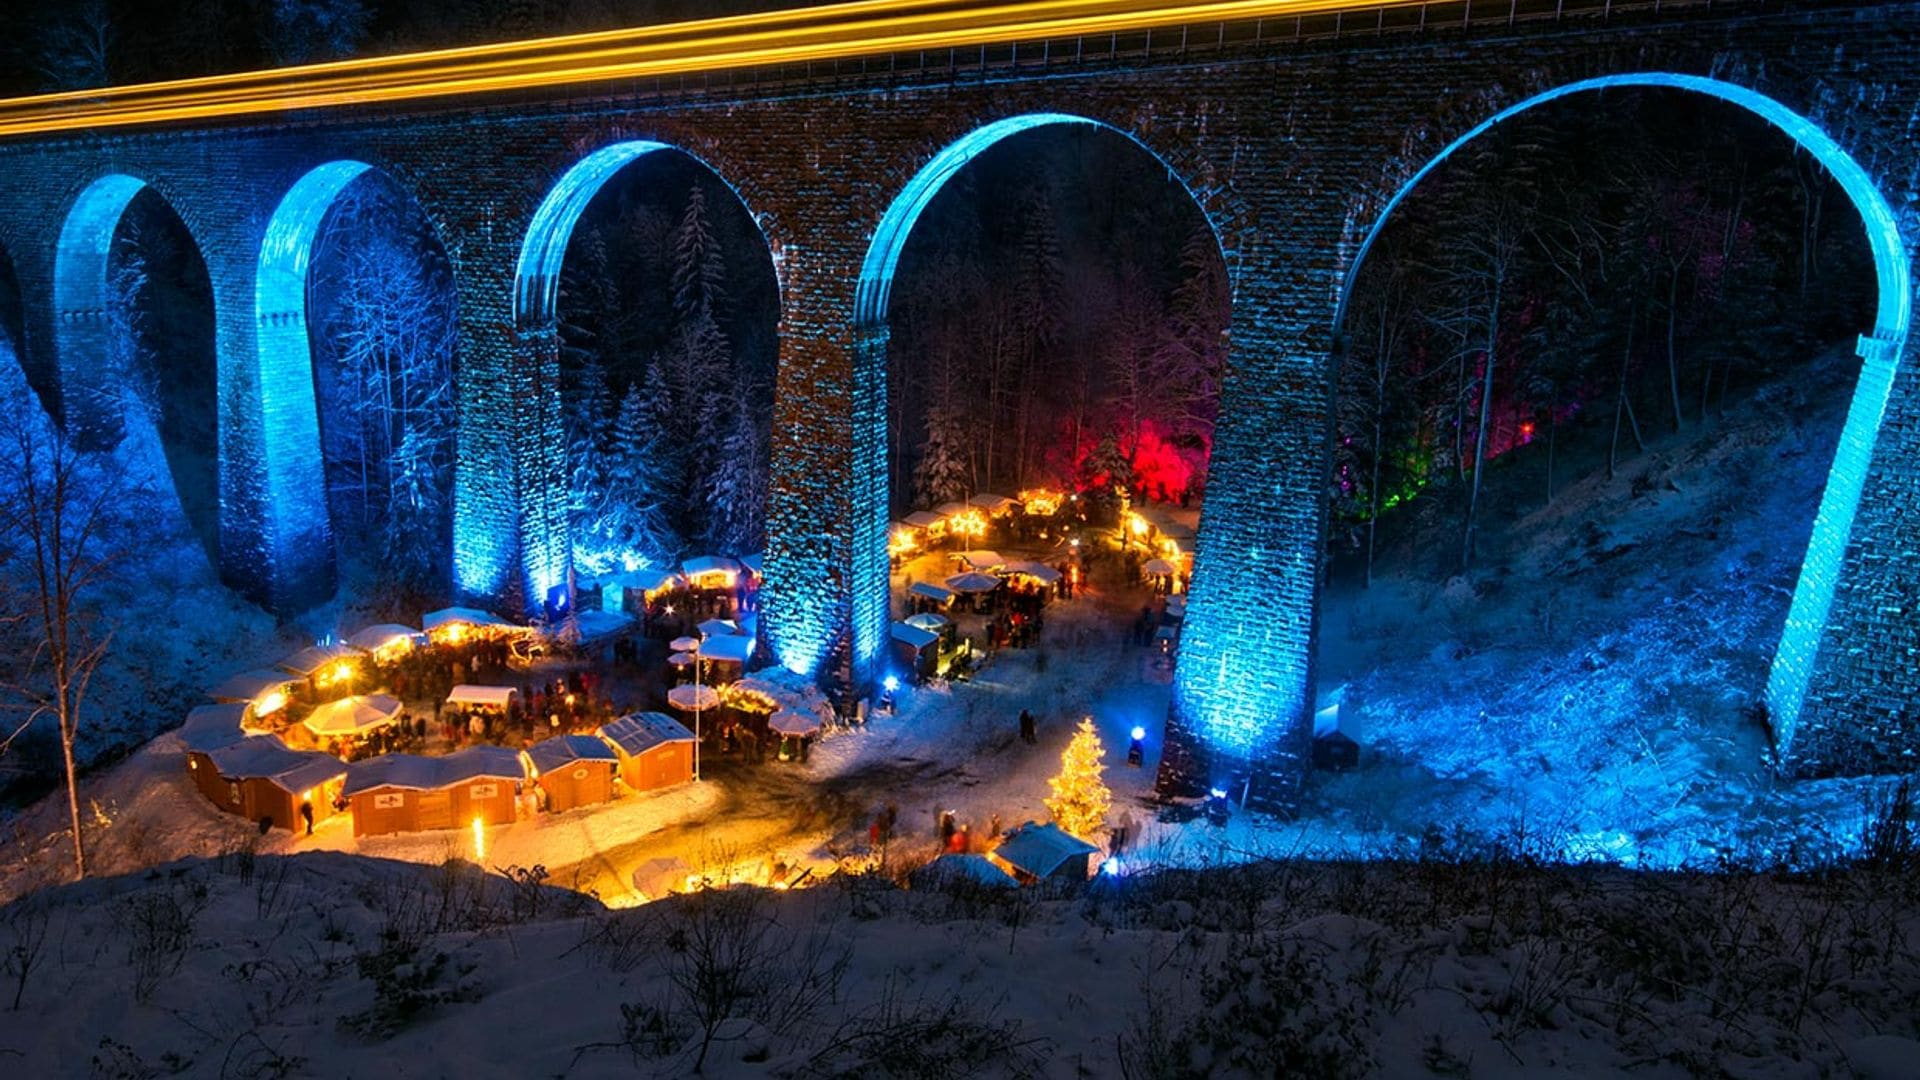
{"x":1673,"y":360}
{"x":1480,"y":435}
{"x":73,"y":792}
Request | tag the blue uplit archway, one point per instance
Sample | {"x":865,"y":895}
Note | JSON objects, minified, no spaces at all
{"x":293,"y":475}
{"x":869,"y":584}
{"x":81,"y":305}
{"x":1879,"y":351}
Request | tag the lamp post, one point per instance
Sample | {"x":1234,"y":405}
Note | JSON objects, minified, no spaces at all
{"x":698,"y":702}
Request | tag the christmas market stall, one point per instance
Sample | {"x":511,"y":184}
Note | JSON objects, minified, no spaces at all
{"x":209,"y":728}
{"x":385,"y":642}
{"x":928,"y":527}
{"x":264,"y":780}
{"x":573,"y":770}
{"x":452,"y":625}
{"x":263,"y":692}
{"x":655,"y":751}
{"x":727,"y":656}
{"x":1033,"y":853}
{"x":995,"y":506}
{"x":408,"y":793}
{"x":926,"y":596}
{"x":326,"y":668}
{"x":352,"y":718}
{"x":710,"y":573}
{"x":916,"y":652}
{"x":631,"y":591}
{"x":981,"y":559}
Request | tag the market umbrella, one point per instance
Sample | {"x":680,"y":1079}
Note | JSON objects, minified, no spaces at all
{"x":693,"y":698}
{"x":972,"y":582}
{"x":680,"y":659}
{"x":793,"y":722}
{"x":1159,"y":567}
{"x":658,"y":877}
{"x":355,"y":715}
{"x":684,"y":644}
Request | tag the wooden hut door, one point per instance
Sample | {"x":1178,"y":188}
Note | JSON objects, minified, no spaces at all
{"x":436,"y":810}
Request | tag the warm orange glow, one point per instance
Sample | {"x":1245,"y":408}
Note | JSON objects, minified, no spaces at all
{"x":831,"y":32}
{"x":479,"y":841}
{"x":269,"y":703}
{"x":1040,"y":502}
{"x":968,"y":523}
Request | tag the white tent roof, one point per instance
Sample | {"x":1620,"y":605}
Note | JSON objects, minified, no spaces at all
{"x":1159,"y":567}
{"x":729,"y":649}
{"x":471,"y":694}
{"x":928,"y":620}
{"x":714,"y":628}
{"x":922,"y":519}
{"x":355,"y":715}
{"x":380,"y":635}
{"x":434,"y":620}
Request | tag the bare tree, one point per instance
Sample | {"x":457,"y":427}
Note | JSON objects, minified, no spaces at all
{"x":58,"y":542}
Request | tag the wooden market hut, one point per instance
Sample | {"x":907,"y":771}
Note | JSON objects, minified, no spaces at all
{"x":996,"y":506}
{"x":629,"y":592}
{"x":408,"y":793}
{"x":655,"y":751}
{"x":710,"y":572}
{"x":1034,"y":853}
{"x":728,"y":654}
{"x":209,"y":728}
{"x":384,"y":641}
{"x":756,"y":567}
{"x":262,"y":779}
{"x":455,"y":623}
{"x":263,"y":692}
{"x":915,"y":651}
{"x":573,"y":770}
{"x":323,"y":666}
{"x":926,"y":525}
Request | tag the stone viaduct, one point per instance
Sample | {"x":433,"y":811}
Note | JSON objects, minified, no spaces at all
{"x":1295,"y":140}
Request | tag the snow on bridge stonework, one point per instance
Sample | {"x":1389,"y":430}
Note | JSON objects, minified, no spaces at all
{"x":1294,"y":150}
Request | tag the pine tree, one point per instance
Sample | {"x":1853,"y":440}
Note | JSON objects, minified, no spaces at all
{"x":699,"y":268}
{"x":734,"y":490}
{"x":941,"y":474}
{"x":1080,"y":796}
{"x":637,"y":520}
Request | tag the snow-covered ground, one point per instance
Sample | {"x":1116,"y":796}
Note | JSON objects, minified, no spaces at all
{"x":324,"y":965}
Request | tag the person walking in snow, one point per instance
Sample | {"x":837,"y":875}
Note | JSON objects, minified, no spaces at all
{"x":1026,"y":727}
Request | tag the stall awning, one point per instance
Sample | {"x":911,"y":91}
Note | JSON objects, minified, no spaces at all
{"x":729,"y":649}
{"x":922,"y":519}
{"x":914,"y":636}
{"x":930,"y":591}
{"x":992,"y":504}
{"x":434,"y":620}
{"x":250,"y":686}
{"x":314,"y":657}
{"x":709,"y":564}
{"x":1038,"y":571}
{"x":381,"y":635}
{"x":355,"y":715}
{"x":979,"y":559}
{"x":470,"y":694}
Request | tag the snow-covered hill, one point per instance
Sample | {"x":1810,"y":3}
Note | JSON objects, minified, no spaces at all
{"x":334,"y":965}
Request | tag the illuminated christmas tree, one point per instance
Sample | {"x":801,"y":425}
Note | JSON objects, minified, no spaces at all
{"x":1080,"y":797}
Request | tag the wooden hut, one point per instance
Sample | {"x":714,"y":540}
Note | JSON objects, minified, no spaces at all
{"x":926,"y":526}
{"x":1033,"y":853}
{"x":710,"y":572}
{"x":263,"y":692}
{"x":455,"y":624}
{"x":654,"y":750}
{"x":324,"y":667}
{"x":262,"y":779}
{"x":915,"y":651}
{"x":408,"y":793}
{"x":996,"y":506}
{"x":727,"y":655}
{"x":573,"y":770}
{"x":209,"y":728}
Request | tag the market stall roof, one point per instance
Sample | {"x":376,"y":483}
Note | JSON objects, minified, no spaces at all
{"x":595,"y":625}
{"x":265,"y":757}
{"x":1038,"y":571}
{"x":380,"y":635}
{"x":477,"y":762}
{"x":1158,"y":567}
{"x":731,"y":649}
{"x":930,"y":591}
{"x":1040,"y":849}
{"x":714,"y":628}
{"x":1176,"y":607}
{"x":563,"y":750}
{"x":948,"y":509}
{"x":914,"y":636}
{"x":314,"y":657}
{"x":793,"y":722}
{"x":354,"y":715}
{"x":680,"y":659}
{"x":471,"y":694}
{"x":637,"y":733}
{"x":755,"y":563}
{"x":250,"y":685}
{"x":979,"y":559}
{"x":973,"y":869}
{"x":709,"y":564}
{"x":210,"y":727}
{"x":973,"y":582}
{"x":929,"y":620}
{"x":993,"y":504}
{"x":922,"y":519}
{"x":448,"y":616}
{"x":646,"y":579}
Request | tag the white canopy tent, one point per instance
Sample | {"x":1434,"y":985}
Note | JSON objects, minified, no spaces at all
{"x":471,"y":694}
{"x":354,"y":715}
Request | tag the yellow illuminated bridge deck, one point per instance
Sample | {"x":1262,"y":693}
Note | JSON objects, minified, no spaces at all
{"x":832,"y":32}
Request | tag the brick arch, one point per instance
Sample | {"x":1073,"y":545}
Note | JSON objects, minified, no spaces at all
{"x":871,"y":310}
{"x":1880,"y":349}
{"x":545,"y":545}
{"x":90,"y":391}
{"x":292,"y":467}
